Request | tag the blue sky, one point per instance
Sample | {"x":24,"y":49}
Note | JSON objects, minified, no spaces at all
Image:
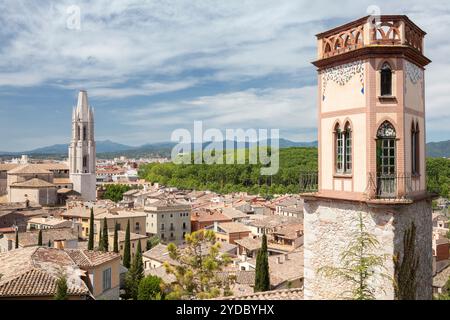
{"x":153,"y":66}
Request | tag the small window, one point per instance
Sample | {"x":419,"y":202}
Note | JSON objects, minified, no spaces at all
{"x":415,"y":151}
{"x":386,"y":80}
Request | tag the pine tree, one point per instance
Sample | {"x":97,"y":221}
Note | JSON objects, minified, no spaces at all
{"x":116,"y":239}
{"x":91,"y":231}
{"x":40,"y":238}
{"x":17,"y":238}
{"x":127,"y":248}
{"x":262,"y":276}
{"x":104,"y":237}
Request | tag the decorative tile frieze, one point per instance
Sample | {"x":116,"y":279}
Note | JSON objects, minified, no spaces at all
{"x":343,"y":74}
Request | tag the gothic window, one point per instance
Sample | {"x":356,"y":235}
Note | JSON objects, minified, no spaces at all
{"x":343,"y":151}
{"x":415,"y":152}
{"x":339,"y":149}
{"x":386,"y":80}
{"x":84,"y":133}
{"x":348,"y":149}
{"x":85,"y":160}
{"x":386,"y":149}
{"x":78,"y":132}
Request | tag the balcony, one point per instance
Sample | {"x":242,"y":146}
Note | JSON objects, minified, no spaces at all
{"x":309,"y":181}
{"x":371,"y":31}
{"x":389,"y":186}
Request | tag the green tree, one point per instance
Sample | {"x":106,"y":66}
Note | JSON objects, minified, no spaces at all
{"x":153,"y":241}
{"x":91,"y":231}
{"x":135,"y":274}
{"x":104,"y":236}
{"x":406,"y":267}
{"x":114,"y":192}
{"x":151,"y":288}
{"x":61,"y":287}
{"x":17,"y":239}
{"x":358,"y":263}
{"x":49,"y":243}
{"x":199,"y":263}
{"x":40,"y":238}
{"x":127,"y":248}
{"x":262,"y":275}
{"x":116,"y":238}
{"x":100,"y":241}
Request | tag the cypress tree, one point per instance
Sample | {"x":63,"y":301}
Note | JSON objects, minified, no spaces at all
{"x":91,"y":231}
{"x":49,"y":243}
{"x":116,"y":239}
{"x":17,"y":238}
{"x":138,"y":263}
{"x":135,"y":274}
{"x":61,"y":288}
{"x":40,"y":238}
{"x":100,"y":241}
{"x":127,"y":248}
{"x":105,"y":242}
{"x":262,"y":276}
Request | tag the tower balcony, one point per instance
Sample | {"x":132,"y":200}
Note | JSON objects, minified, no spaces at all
{"x":371,"y":32}
{"x":400,"y":187}
{"x":309,"y":181}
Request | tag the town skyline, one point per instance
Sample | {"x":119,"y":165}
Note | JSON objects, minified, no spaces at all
{"x":163,"y":80}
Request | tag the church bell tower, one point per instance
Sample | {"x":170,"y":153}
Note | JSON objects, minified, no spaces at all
{"x":371,"y":133}
{"x":82,"y":158}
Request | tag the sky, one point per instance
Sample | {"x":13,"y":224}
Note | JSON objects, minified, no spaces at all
{"x":151,"y":67}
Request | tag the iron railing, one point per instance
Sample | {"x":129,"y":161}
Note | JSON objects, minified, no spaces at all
{"x":390,"y":185}
{"x":309,"y":181}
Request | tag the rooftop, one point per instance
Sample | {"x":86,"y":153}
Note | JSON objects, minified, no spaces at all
{"x":34,"y":271}
{"x":283,"y":294}
{"x":232,"y":227}
{"x":33,"y":183}
{"x":88,"y":258}
{"x":30,"y":238}
{"x":29,"y":169}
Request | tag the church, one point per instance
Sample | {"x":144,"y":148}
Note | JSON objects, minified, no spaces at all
{"x":51,"y":183}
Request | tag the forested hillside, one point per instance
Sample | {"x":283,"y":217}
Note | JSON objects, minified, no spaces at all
{"x":224,"y":178}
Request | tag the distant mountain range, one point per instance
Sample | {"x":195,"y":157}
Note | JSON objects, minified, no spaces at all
{"x":438,"y":149}
{"x":109,"y":148}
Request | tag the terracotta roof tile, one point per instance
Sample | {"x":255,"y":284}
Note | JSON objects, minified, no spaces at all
{"x":283,"y":294}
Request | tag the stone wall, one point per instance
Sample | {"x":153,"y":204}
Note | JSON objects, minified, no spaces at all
{"x":328,"y":231}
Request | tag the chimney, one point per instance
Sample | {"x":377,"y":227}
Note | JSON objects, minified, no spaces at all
{"x":216,"y":224}
{"x":279,"y":260}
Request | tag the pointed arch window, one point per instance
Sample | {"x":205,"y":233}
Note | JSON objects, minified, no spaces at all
{"x":386,"y":136}
{"x":415,"y":151}
{"x":343,"y":149}
{"x":84,"y":133}
{"x":386,"y":80}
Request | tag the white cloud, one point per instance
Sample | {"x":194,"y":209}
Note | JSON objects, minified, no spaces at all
{"x":129,"y":48}
{"x":291,"y":110}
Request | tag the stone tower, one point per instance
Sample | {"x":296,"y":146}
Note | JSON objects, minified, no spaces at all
{"x":371,"y":133}
{"x":82,"y":149}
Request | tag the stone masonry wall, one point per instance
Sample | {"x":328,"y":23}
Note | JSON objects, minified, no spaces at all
{"x":328,"y":231}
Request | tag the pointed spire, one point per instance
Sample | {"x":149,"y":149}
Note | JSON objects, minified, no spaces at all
{"x":83,"y":105}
